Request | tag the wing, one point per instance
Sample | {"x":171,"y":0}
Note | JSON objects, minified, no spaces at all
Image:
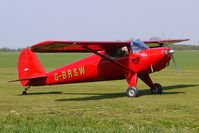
{"x":78,"y":46}
{"x":160,"y":43}
{"x":75,"y":46}
{"x":81,"y":46}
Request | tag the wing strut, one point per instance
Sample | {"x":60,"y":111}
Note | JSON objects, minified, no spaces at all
{"x":107,"y":58}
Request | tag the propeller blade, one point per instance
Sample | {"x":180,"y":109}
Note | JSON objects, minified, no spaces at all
{"x":175,"y":64}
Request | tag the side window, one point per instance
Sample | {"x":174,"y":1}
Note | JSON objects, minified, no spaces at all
{"x":118,"y":52}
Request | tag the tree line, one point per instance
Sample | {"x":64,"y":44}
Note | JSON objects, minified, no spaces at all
{"x":4,"y":49}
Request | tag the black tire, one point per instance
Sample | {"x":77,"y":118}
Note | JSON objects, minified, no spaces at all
{"x":24,"y":93}
{"x":157,"y":89}
{"x":132,"y":92}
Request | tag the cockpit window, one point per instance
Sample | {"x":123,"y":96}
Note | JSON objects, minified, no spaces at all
{"x":138,"y":45}
{"x":118,"y":52}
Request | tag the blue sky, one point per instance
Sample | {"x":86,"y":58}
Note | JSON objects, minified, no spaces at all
{"x":26,"y":22}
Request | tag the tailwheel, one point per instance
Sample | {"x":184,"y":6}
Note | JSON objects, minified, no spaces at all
{"x":132,"y":92}
{"x":25,"y":91}
{"x":157,"y":89}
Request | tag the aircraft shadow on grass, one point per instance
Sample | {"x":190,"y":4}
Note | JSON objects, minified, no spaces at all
{"x":101,"y":96}
{"x":42,"y":93}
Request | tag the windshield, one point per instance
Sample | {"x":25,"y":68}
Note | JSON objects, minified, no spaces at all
{"x":138,"y":45}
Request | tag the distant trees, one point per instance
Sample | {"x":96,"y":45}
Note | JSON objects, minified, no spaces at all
{"x":184,"y":47}
{"x":5,"y":49}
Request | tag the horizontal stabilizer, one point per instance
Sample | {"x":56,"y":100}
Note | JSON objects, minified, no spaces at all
{"x":29,"y":78}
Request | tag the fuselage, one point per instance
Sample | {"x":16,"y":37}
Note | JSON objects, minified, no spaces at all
{"x":96,"y":68}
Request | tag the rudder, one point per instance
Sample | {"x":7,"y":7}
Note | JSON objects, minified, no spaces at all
{"x":29,"y":66}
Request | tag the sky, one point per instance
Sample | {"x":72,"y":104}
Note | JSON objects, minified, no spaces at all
{"x":27,"y":22}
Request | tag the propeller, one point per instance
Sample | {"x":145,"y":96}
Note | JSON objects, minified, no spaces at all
{"x":171,"y":51}
{"x":174,"y":61}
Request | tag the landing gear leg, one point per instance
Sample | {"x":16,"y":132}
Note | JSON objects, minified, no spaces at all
{"x":25,"y":91}
{"x":155,"y":88}
{"x":132,"y":90}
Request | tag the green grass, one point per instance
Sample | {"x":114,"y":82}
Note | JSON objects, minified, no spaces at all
{"x":101,"y":106}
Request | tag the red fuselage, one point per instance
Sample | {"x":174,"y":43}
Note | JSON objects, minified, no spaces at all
{"x":96,"y":68}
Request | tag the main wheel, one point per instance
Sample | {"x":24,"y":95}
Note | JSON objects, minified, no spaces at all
{"x":157,"y":89}
{"x":132,"y":92}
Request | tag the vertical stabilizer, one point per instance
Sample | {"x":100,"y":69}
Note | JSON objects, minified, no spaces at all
{"x":29,"y":66}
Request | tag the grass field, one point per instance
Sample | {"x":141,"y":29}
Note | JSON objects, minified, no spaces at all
{"x":101,"y":106}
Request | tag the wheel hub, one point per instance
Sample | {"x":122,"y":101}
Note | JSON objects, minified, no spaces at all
{"x":155,"y":90}
{"x":131,"y":93}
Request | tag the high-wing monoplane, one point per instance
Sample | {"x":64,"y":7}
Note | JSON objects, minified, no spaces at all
{"x":128,"y":60}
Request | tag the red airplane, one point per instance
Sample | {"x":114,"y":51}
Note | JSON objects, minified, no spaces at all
{"x":128,"y":60}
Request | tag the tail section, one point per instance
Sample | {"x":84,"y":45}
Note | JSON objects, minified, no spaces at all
{"x":29,"y":67}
